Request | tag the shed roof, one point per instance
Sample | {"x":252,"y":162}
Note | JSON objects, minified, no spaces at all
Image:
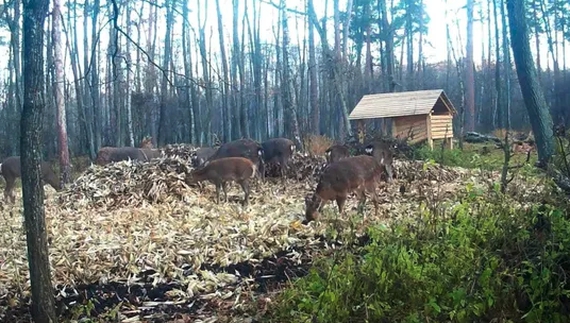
{"x":397,"y":104}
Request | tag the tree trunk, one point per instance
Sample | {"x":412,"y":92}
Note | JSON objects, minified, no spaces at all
{"x":43,"y":302}
{"x":115,"y":81}
{"x":94,"y":68}
{"x":190,"y":88}
{"x":205,"y":133}
{"x":87,"y":91}
{"x":15,"y":93}
{"x":469,"y":72}
{"x":500,"y":119}
{"x":313,"y":83}
{"x":507,"y":67}
{"x":292,"y":124}
{"x":163,"y":135}
{"x":128,"y":85}
{"x":226,"y":115}
{"x":58,"y":85}
{"x":540,"y":118}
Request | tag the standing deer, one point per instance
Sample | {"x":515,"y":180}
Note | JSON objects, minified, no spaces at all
{"x":382,"y":152}
{"x":224,"y":170}
{"x":336,"y":153}
{"x":10,"y":169}
{"x":200,"y":156}
{"x":278,"y":151}
{"x":245,"y":148}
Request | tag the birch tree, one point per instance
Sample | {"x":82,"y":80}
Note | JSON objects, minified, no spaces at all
{"x":58,"y":87}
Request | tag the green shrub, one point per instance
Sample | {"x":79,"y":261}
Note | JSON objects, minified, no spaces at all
{"x":471,"y":156}
{"x":481,"y":262}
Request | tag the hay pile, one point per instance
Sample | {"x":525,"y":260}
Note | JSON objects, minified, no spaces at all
{"x":183,"y":151}
{"x":128,"y":183}
{"x":134,"y":184}
{"x":301,"y":167}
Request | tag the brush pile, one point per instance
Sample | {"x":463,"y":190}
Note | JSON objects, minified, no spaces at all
{"x":301,"y":167}
{"x":128,"y":183}
{"x":183,"y":151}
{"x":133,"y":184}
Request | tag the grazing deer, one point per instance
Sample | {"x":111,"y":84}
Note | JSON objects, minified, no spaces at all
{"x":278,"y":151}
{"x":223,"y":170}
{"x":10,"y":169}
{"x":359,"y":174}
{"x":245,"y":148}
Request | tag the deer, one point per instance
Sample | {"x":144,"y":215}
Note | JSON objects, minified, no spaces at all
{"x":382,"y":152}
{"x":146,"y":143}
{"x":245,"y":148}
{"x":224,"y":170}
{"x":278,"y":151}
{"x":200,"y":156}
{"x":336,"y":152}
{"x":10,"y":169}
{"x":107,"y":155}
{"x":150,"y":153}
{"x":358,"y":174}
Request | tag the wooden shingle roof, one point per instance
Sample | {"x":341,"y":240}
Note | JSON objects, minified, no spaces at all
{"x":397,"y":104}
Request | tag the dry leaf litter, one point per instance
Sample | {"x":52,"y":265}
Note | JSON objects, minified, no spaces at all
{"x":117,"y":221}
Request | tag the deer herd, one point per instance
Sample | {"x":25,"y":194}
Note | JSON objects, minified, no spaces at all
{"x":242,"y":160}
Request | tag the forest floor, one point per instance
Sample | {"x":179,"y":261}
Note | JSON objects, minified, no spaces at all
{"x":133,"y":243}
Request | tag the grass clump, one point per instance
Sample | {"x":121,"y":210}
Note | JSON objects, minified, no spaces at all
{"x":483,"y":156}
{"x":483,"y":262}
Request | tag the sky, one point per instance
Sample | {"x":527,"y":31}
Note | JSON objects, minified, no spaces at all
{"x":434,"y":50}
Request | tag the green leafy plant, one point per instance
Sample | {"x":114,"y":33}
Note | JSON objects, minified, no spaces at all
{"x":485,"y":261}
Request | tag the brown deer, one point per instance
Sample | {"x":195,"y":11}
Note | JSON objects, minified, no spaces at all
{"x":223,"y":170}
{"x":336,"y":153}
{"x":10,"y":169}
{"x":278,"y":151}
{"x":358,"y":174}
{"x":149,"y":153}
{"x":108,"y":155}
{"x":245,"y":148}
{"x":200,"y":156}
{"x":381,"y":151}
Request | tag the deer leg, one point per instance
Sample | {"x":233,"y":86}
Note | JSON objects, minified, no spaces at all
{"x":261,"y":171}
{"x":245,"y":186}
{"x":389,"y":173}
{"x":225,"y":189}
{"x":372,"y":190}
{"x":218,"y":187}
{"x":8,"y":191}
{"x":361,"y":201}
{"x":340,"y":202}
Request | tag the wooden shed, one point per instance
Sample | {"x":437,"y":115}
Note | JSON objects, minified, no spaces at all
{"x":416,"y":115}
